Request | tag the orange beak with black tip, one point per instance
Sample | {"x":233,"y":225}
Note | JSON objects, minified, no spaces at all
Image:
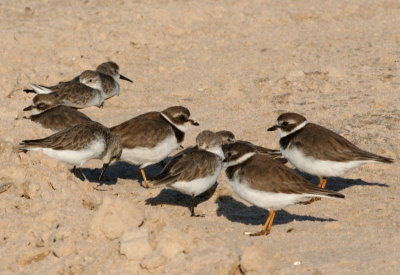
{"x":28,"y":108}
{"x":273,"y":128}
{"x":192,"y":122}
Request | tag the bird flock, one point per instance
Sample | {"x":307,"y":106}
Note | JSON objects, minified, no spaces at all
{"x":257,"y":174}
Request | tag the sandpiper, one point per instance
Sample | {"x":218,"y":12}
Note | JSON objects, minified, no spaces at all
{"x":196,"y":170}
{"x":109,"y":76}
{"x":78,"y":144}
{"x":77,"y":94}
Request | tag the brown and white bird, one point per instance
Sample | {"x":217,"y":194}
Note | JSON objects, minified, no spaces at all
{"x":195,"y":171}
{"x":318,"y":151}
{"x":78,"y":144}
{"x":109,"y":76}
{"x":49,"y":114}
{"x":267,"y":183}
{"x":88,"y":92}
{"x":228,"y":137}
{"x":151,"y":137}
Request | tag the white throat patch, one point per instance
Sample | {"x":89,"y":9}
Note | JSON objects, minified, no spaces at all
{"x":298,"y":127}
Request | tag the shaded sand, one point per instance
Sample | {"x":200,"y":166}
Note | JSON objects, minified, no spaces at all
{"x":236,"y":65}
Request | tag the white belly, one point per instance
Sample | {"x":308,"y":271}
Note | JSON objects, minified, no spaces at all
{"x":77,"y":158}
{"x":146,"y":156}
{"x":266,"y":200}
{"x":97,"y":100}
{"x":325,"y":168}
{"x":198,"y":186}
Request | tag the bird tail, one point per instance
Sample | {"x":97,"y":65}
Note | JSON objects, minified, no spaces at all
{"x":28,"y":145}
{"x":384,"y":159}
{"x":316,"y":191}
{"x":38,"y":89}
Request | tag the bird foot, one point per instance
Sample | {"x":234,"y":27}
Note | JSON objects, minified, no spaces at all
{"x":309,"y":201}
{"x":247,"y":233}
{"x":198,"y":216}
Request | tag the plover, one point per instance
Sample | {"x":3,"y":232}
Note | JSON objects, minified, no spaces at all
{"x":109,"y":76}
{"x":149,"y":138}
{"x":77,"y":94}
{"x":78,"y":144}
{"x":318,"y":151}
{"x":195,"y":171}
{"x":47,"y":113}
{"x":228,"y":137}
{"x":267,"y":183}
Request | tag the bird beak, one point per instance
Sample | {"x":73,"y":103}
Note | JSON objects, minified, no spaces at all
{"x":28,"y":108}
{"x":273,"y":128}
{"x":105,"y":165}
{"x":125,"y":78}
{"x":192,"y":122}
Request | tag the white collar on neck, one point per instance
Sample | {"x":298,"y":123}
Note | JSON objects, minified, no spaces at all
{"x":298,"y":127}
{"x":241,"y":159}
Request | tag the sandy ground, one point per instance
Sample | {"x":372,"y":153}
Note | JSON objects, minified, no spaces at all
{"x":236,"y":65}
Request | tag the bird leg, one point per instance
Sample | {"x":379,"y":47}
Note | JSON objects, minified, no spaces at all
{"x":83,"y":175}
{"x":322,"y":182}
{"x":267,"y":226}
{"x":144,"y":178}
{"x":191,"y":207}
{"x":105,"y":165}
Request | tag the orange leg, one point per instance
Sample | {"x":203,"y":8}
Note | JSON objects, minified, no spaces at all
{"x":144,"y":178}
{"x":322,"y":182}
{"x":267,"y":226}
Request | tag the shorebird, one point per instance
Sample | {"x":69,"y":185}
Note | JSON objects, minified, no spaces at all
{"x":109,"y":76}
{"x":78,"y":144}
{"x":76,"y":94}
{"x":149,"y":138}
{"x":194,"y":171}
{"x":267,"y":183}
{"x":318,"y":151}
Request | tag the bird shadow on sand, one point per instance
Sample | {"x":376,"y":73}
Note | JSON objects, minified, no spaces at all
{"x":337,"y":183}
{"x":120,"y":170}
{"x":172,"y":197}
{"x":236,"y":211}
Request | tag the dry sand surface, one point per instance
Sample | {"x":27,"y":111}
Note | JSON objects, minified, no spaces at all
{"x":236,"y":65}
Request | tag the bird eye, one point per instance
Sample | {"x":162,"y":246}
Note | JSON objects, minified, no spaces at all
{"x":229,"y":139}
{"x":229,"y":154}
{"x":285,"y":123}
{"x":182,"y":117}
{"x":90,"y":80}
